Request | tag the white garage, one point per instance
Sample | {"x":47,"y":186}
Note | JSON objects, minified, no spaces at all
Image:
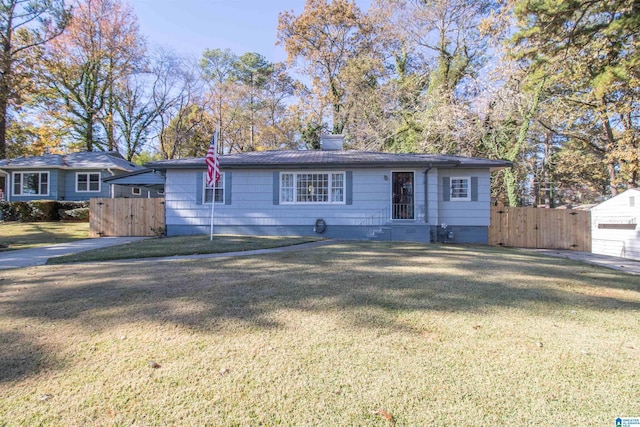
{"x":614,"y":226}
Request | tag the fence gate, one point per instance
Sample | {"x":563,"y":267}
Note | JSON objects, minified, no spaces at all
{"x":126,"y":217}
{"x":541,"y":228}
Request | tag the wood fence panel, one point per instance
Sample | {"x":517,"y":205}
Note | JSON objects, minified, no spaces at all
{"x":540,"y":228}
{"x":126,"y":217}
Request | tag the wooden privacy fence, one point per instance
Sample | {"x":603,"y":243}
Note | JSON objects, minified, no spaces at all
{"x":541,"y":228}
{"x":126,"y":217}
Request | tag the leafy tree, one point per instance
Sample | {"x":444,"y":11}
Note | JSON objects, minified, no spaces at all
{"x":217,"y":68}
{"x":588,"y":51}
{"x":325,"y":37}
{"x":82,"y":67}
{"x":181,"y":91}
{"x":190,"y":132}
{"x":25,"y":26}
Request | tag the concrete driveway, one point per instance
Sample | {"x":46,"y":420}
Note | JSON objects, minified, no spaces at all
{"x":39,"y":256}
{"x":612,"y":262}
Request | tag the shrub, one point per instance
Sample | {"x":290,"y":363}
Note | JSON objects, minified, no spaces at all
{"x":79,"y":214}
{"x":43,"y":210}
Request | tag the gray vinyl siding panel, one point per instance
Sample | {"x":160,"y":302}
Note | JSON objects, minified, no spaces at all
{"x":124,"y":191}
{"x":69,"y":186}
{"x":465,"y":213}
{"x":253,"y":201}
{"x":54,"y":186}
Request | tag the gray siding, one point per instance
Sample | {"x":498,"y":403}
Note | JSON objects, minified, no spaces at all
{"x":69,"y":186}
{"x":465,"y":213}
{"x":54,"y":185}
{"x":124,"y":191}
{"x":620,"y":211}
{"x":253,"y":201}
{"x":255,"y":210}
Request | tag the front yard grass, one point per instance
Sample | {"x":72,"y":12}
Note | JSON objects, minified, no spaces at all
{"x":24,"y":235}
{"x":350,"y":333}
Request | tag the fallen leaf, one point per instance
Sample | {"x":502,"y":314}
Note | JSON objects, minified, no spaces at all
{"x":154,"y":365}
{"x":45,"y":397}
{"x":387,"y":416}
{"x":224,"y":371}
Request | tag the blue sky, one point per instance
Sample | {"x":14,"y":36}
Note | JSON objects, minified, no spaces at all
{"x":191,"y":26}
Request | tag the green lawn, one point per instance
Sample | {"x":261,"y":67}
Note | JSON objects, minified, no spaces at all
{"x":345,"y":334}
{"x":23,"y":235}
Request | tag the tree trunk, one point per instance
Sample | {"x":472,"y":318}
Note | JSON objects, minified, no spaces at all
{"x":3,"y":121}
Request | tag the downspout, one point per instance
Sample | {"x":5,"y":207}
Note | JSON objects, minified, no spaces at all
{"x":112,"y":192}
{"x":426,"y":192}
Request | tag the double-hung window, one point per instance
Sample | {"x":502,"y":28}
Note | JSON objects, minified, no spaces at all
{"x":460,"y":189}
{"x":87,"y":182}
{"x":31,"y":183}
{"x":218,"y":189}
{"x":312,"y":187}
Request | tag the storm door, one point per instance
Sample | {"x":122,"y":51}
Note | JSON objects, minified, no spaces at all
{"x":402,"y":185}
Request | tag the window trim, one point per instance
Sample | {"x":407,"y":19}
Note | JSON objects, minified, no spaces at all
{"x":330,"y":187}
{"x":218,"y":186}
{"x":454,"y":198}
{"x":21,"y":173}
{"x":88,"y":174}
{"x":136,"y":191}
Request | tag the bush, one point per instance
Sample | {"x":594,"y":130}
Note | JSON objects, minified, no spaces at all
{"x":79,"y":214}
{"x":43,"y":210}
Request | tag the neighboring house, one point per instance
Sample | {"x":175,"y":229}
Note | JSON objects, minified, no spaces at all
{"x":615,"y":226}
{"x":141,"y":183}
{"x":339,"y":194}
{"x":73,"y":177}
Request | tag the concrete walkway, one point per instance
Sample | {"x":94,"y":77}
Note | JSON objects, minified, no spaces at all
{"x":39,"y":256}
{"x":615,"y":263}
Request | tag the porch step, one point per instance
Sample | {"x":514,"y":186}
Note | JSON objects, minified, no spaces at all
{"x":379,"y":233}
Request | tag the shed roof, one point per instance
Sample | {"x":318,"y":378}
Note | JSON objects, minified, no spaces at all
{"x":79,"y":160}
{"x":143,"y":178}
{"x":326,"y":159}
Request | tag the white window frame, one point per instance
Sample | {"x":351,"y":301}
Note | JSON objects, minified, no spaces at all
{"x":136,"y":191}
{"x":88,"y":174}
{"x":334,"y":193}
{"x":22,"y":173}
{"x":219,"y":189}
{"x":453,"y":196}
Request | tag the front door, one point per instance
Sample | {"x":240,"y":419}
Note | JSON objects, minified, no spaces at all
{"x":402,"y":185}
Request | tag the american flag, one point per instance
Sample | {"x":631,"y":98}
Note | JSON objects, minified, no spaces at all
{"x":213,"y":164}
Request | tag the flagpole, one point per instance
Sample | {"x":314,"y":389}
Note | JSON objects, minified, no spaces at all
{"x":215,"y":181}
{"x":213,"y":202}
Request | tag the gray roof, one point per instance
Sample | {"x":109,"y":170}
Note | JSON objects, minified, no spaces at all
{"x":80,"y":160}
{"x":327,"y":159}
{"x":143,"y":178}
